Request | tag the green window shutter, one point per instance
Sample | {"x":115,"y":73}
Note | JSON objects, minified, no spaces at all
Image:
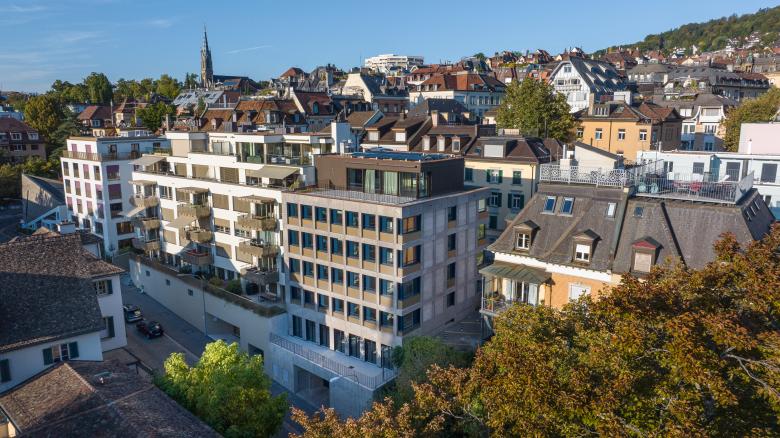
{"x":47,"y":357}
{"x":110,"y":323}
{"x":5,"y":371}
{"x":73,"y":350}
{"x":509,"y":200}
{"x":110,"y":286}
{"x":487,"y":175}
{"x":500,"y":176}
{"x":499,"y":196}
{"x":522,"y":200}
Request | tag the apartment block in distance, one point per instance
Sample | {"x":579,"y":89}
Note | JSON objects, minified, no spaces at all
{"x":96,"y":174}
{"x":385,"y":247}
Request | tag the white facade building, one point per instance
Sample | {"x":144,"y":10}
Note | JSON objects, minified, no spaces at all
{"x":583,"y":81}
{"x":96,"y":175}
{"x":384,"y":63}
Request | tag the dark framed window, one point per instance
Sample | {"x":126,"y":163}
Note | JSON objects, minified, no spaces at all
{"x":335,"y":217}
{"x":337,"y":275}
{"x":386,"y":256}
{"x":452,"y":213}
{"x":352,"y":219}
{"x":369,"y":253}
{"x":308,"y":269}
{"x":452,"y":240}
{"x":297,"y":326}
{"x":339,"y":341}
{"x":353,"y":249}
{"x":369,"y":222}
{"x":307,"y":240}
{"x":321,"y":214}
{"x":322,"y":243}
{"x":336,"y":246}
{"x":369,"y":283}
{"x":306,"y":212}
{"x":293,"y":237}
{"x":292,"y":210}
{"x":353,"y":279}
{"x":338,"y":305}
{"x":386,"y":224}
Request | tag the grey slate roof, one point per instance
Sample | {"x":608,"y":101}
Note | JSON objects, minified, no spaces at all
{"x":47,"y":290}
{"x":40,"y":195}
{"x":684,"y":230}
{"x":90,"y":399}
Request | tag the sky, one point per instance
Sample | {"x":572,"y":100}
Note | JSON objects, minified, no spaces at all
{"x":132,"y":39}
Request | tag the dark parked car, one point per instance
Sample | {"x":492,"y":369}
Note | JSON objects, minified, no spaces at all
{"x":132,"y":313}
{"x":150,"y":329}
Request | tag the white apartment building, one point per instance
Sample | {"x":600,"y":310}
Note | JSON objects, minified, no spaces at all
{"x":585,"y":80}
{"x":386,"y":247}
{"x":384,"y":63}
{"x":96,"y":175}
{"x":479,"y":93}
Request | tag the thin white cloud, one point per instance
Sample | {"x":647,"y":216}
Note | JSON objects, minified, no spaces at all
{"x":247,"y":49}
{"x":26,"y":9}
{"x":162,"y":23}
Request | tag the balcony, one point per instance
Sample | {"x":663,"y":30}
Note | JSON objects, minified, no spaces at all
{"x":261,"y":276}
{"x":146,"y":223}
{"x":258,"y":248}
{"x":494,"y":303}
{"x":199,"y":211}
{"x":199,"y":235}
{"x":255,"y":222}
{"x":197,"y":257}
{"x":146,"y":245}
{"x":94,"y":156}
{"x":145,"y":201}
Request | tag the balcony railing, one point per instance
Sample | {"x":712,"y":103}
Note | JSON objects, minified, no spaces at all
{"x":146,"y":245}
{"x":261,"y":276}
{"x":358,"y":194}
{"x":256,"y":222}
{"x":94,"y":156}
{"x":146,"y":223}
{"x":334,"y":366}
{"x":194,"y":210}
{"x":199,"y":235}
{"x":197,"y":257}
{"x":259,"y":248}
{"x":144,"y":201}
{"x":495,"y":305}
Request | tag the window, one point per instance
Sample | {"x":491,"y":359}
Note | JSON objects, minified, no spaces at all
{"x":308,"y":297}
{"x":292,"y":210}
{"x":322,"y":272}
{"x":495,"y":199}
{"x":353,"y":250}
{"x":611,"y":209}
{"x":108,"y":328}
{"x":369,"y":222}
{"x":338,"y":305}
{"x":60,"y":353}
{"x":493,"y":222}
{"x":450,"y":299}
{"x":582,"y":253}
{"x":322,"y":243}
{"x":452,"y":213}
{"x":621,"y":134}
{"x":494,"y":176}
{"x":336,"y":247}
{"x":386,"y":256}
{"x":567,"y":68}
{"x":295,"y":266}
{"x":369,"y":314}
{"x":337,"y":276}
{"x":468,"y":174}
{"x":768,"y":172}
{"x":580,"y":132}
{"x":16,"y":136}
{"x":370,"y":350}
{"x":481,"y":231}
{"x":451,"y":271}
{"x":311,"y":334}
{"x":307,"y":240}
{"x":452,"y":240}
{"x":567,"y":206}
{"x":338,"y":340}
{"x":643,"y":261}
{"x":598,"y":133}
{"x":386,"y":287}
{"x":698,"y":168}
{"x":306,"y":212}
{"x":523,"y":241}
{"x":409,"y":322}
{"x":5,"y":371}
{"x":517,"y":178}
{"x":32,"y":135}
{"x":352,"y":219}
{"x":410,"y":224}
{"x":308,"y":269}
{"x":409,"y":289}
{"x":324,"y":336}
{"x":167,"y":282}
{"x":297,"y":326}
{"x":386,"y":224}
{"x":354,"y":346}
{"x":549,"y":204}
{"x":335,"y":217}
{"x":369,"y":253}
{"x":481,"y":205}
{"x":103,"y":287}
{"x":353,"y":279}
{"x":321,"y":214}
{"x":353,"y":310}
{"x":411,"y":255}
{"x":576,"y":291}
{"x":516,"y":201}
{"x":639,"y":211}
{"x":293,"y":237}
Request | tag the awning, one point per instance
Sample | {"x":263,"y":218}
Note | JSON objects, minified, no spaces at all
{"x":273,"y":172}
{"x":181,"y":221}
{"x":142,"y":182}
{"x":255,"y":198}
{"x":192,"y":190}
{"x":132,"y":212}
{"x":147,"y":160}
{"x":516,"y":272}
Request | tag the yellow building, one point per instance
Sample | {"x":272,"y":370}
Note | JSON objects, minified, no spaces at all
{"x":625,"y":129}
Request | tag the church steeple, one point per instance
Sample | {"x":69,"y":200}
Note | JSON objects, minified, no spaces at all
{"x":206,"y":70}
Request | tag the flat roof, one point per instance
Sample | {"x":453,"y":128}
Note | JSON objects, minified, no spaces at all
{"x":399,"y":156}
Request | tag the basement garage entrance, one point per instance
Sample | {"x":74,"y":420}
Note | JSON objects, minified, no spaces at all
{"x":312,"y":388}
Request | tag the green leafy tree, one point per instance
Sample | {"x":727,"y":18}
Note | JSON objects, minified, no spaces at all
{"x":152,"y":116}
{"x":536,"y":109}
{"x":681,"y":353}
{"x":761,"y":109}
{"x":201,"y":106}
{"x":98,"y":88}
{"x":227,"y":389}
{"x":190,"y":81}
{"x":481,"y":56}
{"x":43,"y":113}
{"x":10,"y":181}
{"x":168,"y":86}
{"x":68,"y":127}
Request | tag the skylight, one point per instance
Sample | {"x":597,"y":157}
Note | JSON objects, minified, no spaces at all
{"x":549,"y":204}
{"x":567,"y":206}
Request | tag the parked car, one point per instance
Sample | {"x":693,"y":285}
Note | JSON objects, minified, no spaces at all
{"x":150,"y":329}
{"x":132,"y":313}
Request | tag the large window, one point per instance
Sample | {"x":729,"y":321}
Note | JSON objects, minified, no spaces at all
{"x":768,"y":172}
{"x":306,"y":212}
{"x":352,"y":219}
{"x":353,"y":249}
{"x":369,"y":253}
{"x":322,"y":243}
{"x":410,"y":224}
{"x":386,"y":256}
{"x":369,"y":222}
{"x":353,"y":279}
{"x":336,"y":246}
{"x":409,"y":289}
{"x":335,"y":217}
{"x":411,"y":255}
{"x":292,"y":210}
{"x":339,"y":340}
{"x":60,"y":353}
{"x":308,"y":240}
{"x":337,"y":276}
{"x":386,"y":224}
{"x":321,"y":214}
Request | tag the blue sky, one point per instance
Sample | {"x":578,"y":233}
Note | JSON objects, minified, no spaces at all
{"x":46,"y":40}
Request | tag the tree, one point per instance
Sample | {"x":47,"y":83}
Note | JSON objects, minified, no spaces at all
{"x":227,"y":389}
{"x":413,"y":360}
{"x":44,"y":114}
{"x":536,"y":109}
{"x":761,"y":109}
{"x":152,"y":116}
{"x":99,"y":88}
{"x":68,"y":127}
{"x":682,"y":352}
{"x":201,"y":106}
{"x":10,"y":182}
{"x":190,"y":81}
{"x":168,"y":86}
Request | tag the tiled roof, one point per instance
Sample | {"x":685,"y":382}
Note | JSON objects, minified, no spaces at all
{"x":463,"y":81}
{"x":95,"y":112}
{"x":47,"y":290}
{"x":8,"y":124}
{"x":292,"y":71}
{"x":425,"y":107}
{"x":81,"y":398}
{"x":516,"y":149}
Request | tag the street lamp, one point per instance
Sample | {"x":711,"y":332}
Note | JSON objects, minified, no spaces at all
{"x":203,"y":296}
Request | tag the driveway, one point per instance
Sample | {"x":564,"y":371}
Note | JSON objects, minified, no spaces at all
{"x":184,"y":337}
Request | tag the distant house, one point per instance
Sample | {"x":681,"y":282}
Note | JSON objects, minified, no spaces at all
{"x":476,"y":91}
{"x":94,"y":399}
{"x":96,"y":116}
{"x":43,"y":203}
{"x":703,"y":117}
{"x":585,"y":80}
{"x":18,"y":141}
{"x":58,"y":302}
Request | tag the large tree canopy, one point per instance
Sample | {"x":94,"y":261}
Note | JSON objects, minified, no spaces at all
{"x":153,"y":115}
{"x":681,"y":353}
{"x":99,"y":88}
{"x":227,"y":389}
{"x":536,"y":109}
{"x":44,"y":114}
{"x":761,"y":109}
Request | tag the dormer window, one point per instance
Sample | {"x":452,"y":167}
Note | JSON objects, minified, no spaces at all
{"x":373,"y":135}
{"x":582,"y":253}
{"x":400,"y":136}
{"x":16,"y":136}
{"x":456,"y":144}
{"x":549,"y":204}
{"x":524,"y":234}
{"x":441,"y":143}
{"x":32,"y":135}
{"x":567,"y":206}
{"x":523,"y":241}
{"x":583,"y":245}
{"x":426,"y":143}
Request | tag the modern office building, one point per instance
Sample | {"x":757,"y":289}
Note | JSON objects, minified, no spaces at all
{"x":96,"y":174}
{"x":386,"y":246}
